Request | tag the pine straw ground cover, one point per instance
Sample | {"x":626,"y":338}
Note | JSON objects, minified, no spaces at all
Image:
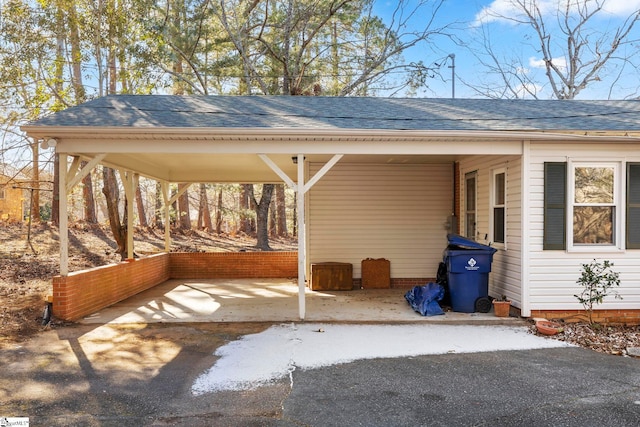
{"x":609,"y":339}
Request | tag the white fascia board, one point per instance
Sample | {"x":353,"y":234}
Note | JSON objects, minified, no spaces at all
{"x":311,"y":134}
{"x":309,"y":141}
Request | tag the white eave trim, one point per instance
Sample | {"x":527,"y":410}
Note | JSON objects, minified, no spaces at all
{"x":316,"y":134}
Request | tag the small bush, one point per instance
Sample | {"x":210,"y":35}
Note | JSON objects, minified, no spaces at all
{"x":597,"y":279}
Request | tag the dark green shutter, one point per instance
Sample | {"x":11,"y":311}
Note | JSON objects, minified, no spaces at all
{"x":555,"y":205}
{"x":633,"y":206}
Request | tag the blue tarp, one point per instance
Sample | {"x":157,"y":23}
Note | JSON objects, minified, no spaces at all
{"x":424,"y":299}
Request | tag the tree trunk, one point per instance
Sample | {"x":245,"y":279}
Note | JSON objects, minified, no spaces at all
{"x":246,"y":222}
{"x":174,"y":212}
{"x":272,"y":218}
{"x":142,"y":216}
{"x":184,"y":219}
{"x":55,"y":201}
{"x":76,"y":55}
{"x":112,"y":196}
{"x":295,"y":214}
{"x":204,"y":214}
{"x":35,"y":200}
{"x":111,"y":63}
{"x":219,"y":213}
{"x":159,"y":207}
{"x":281,"y":227}
{"x":89,"y":200}
{"x":262,"y":216}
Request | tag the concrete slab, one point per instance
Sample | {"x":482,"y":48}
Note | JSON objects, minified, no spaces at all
{"x":270,"y":300}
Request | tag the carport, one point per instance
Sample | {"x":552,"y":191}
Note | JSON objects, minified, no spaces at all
{"x":270,"y":300}
{"x":193,"y":139}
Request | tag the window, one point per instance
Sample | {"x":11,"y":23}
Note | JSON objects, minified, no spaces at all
{"x":498,"y":206}
{"x":594,"y":200}
{"x":2,"y":192}
{"x":470,"y":193}
{"x":583,"y":206}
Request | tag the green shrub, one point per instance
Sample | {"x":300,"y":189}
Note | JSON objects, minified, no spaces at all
{"x":597,"y":279}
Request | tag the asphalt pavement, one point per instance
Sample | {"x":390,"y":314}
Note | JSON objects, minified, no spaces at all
{"x":141,"y":375}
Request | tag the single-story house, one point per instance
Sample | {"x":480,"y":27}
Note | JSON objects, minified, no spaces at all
{"x":551,"y":184}
{"x":12,"y":199}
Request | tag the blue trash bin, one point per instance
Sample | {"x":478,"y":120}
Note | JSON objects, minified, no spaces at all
{"x":468,"y":267}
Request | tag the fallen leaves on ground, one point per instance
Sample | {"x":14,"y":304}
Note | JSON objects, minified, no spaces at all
{"x":609,"y":339}
{"x":29,"y":258}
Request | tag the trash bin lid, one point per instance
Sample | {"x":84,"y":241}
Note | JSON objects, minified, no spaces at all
{"x":465,"y":243}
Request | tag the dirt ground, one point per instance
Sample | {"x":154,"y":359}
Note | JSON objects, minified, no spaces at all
{"x":30,"y":258}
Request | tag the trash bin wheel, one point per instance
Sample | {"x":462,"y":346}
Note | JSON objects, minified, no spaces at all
{"x":483,"y":305}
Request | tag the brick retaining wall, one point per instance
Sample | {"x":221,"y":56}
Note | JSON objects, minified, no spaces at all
{"x":87,"y":291}
{"x":233,"y":265}
{"x":84,"y":292}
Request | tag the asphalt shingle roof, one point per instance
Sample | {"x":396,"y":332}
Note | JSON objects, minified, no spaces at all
{"x":300,"y":112}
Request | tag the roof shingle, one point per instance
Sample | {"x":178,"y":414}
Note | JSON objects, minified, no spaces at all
{"x":300,"y":112}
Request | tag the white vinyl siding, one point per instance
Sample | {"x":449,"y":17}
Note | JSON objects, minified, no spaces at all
{"x":397,"y":212}
{"x":553,"y":273}
{"x":506,"y":270}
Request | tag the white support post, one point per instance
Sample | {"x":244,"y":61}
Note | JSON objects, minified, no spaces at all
{"x":63,"y":215}
{"x":301,"y":188}
{"x":167,"y":226}
{"x":301,"y":239}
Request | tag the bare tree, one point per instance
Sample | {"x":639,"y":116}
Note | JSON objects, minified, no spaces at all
{"x":204,"y":213}
{"x":184,"y":216}
{"x":575,"y":52}
{"x":247,"y":225}
{"x":142,"y":217}
{"x":219,"y":212}
{"x":112,"y":196}
{"x":158,"y":207}
{"x":281,"y":212}
{"x":262,"y":215}
{"x":89,"y":201}
{"x":335,"y":47}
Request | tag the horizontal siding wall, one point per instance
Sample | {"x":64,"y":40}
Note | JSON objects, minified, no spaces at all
{"x":397,"y":212}
{"x":553,"y":274}
{"x":506,"y":270}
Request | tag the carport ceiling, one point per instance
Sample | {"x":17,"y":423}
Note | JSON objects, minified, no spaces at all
{"x":238,"y":168}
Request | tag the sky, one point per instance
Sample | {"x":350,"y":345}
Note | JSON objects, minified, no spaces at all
{"x":272,"y":355}
{"x":511,"y":41}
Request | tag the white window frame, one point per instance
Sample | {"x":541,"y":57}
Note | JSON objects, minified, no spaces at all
{"x":493,"y":205}
{"x":618,"y":204}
